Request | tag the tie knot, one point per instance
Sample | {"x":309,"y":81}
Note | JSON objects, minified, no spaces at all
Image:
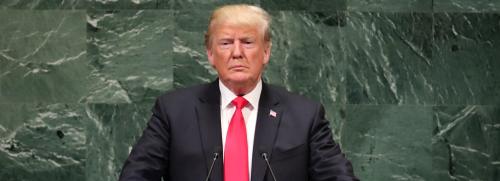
{"x":240,"y":102}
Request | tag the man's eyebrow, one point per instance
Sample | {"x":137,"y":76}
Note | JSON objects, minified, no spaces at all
{"x":225,"y":39}
{"x":247,"y":38}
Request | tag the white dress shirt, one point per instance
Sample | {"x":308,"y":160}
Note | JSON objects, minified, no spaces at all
{"x":249,"y":114}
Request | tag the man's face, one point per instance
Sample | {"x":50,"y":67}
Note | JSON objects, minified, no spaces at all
{"x":238,"y":53}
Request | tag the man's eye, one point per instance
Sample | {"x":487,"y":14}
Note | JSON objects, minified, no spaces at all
{"x":225,"y":43}
{"x":249,"y":44}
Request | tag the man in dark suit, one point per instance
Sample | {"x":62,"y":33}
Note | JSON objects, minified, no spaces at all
{"x":237,"y":128}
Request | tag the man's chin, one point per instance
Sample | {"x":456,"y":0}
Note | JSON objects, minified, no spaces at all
{"x":240,"y":79}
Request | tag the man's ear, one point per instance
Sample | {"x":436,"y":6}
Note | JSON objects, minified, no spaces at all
{"x":210,"y":56}
{"x":267,"y":52}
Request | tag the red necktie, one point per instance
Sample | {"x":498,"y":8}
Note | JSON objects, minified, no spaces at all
{"x":236,"y":149}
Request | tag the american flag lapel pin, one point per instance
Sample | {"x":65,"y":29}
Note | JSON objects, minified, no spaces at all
{"x":273,"y":113}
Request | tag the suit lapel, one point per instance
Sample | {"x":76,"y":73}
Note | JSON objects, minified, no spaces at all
{"x":268,"y":120}
{"x":208,"y":112}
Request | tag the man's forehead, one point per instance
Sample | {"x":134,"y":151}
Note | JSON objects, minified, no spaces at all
{"x":237,"y":30}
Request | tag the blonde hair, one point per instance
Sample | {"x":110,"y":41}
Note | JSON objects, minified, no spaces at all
{"x":240,"y":14}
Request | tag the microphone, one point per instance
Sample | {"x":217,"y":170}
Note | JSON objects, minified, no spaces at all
{"x":266,"y":158}
{"x":214,"y":158}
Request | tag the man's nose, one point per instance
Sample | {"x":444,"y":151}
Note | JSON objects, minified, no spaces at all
{"x":237,"y":50}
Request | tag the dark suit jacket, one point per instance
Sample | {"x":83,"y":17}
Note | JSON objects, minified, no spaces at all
{"x":184,"y":131}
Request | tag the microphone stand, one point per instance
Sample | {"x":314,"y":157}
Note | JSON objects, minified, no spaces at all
{"x":216,"y":155}
{"x":264,"y":155}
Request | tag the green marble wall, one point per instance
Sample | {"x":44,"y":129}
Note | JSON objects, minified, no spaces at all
{"x":411,"y":87}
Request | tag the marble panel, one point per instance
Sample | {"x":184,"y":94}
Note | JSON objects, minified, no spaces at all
{"x":310,"y":5}
{"x":306,"y":55}
{"x":130,"y":52}
{"x":41,"y":4}
{"x":387,"y":56}
{"x":128,"y":4}
{"x":466,"y":6}
{"x":390,"y":5}
{"x":465,"y":63}
{"x":191,"y":65}
{"x":388,"y":142}
{"x":42,"y":141}
{"x":113,"y":130}
{"x":465,"y":143}
{"x":43,"y":56}
{"x":196,"y":5}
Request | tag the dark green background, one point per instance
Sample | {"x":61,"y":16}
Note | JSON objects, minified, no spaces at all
{"x":412,"y":88}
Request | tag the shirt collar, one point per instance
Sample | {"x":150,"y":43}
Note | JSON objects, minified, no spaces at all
{"x":252,"y":97}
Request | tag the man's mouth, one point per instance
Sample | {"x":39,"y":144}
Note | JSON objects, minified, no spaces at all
{"x":237,"y":67}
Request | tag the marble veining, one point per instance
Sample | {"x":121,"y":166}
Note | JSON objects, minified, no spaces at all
{"x":410,"y":87}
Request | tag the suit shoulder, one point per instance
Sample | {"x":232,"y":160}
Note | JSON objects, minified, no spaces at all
{"x":293,"y":98}
{"x":185,"y":94}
